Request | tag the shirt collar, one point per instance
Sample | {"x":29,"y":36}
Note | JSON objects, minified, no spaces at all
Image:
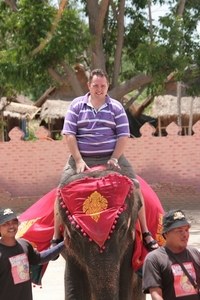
{"x":85,"y":98}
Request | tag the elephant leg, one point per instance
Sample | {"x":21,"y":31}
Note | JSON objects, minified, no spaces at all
{"x":130,"y":282}
{"x":137,"y":287}
{"x":77,"y":286}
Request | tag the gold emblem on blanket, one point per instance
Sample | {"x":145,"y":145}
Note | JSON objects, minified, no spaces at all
{"x":94,"y":205}
{"x":24,"y":227}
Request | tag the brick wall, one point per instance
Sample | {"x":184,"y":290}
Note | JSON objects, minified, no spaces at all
{"x":31,"y":169}
{"x":19,"y":204}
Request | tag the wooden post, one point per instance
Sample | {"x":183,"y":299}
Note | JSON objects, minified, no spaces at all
{"x":191,"y":117}
{"x":179,"y":121}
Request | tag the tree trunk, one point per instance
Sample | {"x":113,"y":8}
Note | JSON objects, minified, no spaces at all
{"x":96,"y":14}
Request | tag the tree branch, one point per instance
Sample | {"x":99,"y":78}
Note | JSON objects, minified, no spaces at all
{"x":50,"y":34}
{"x":57,"y":76}
{"x":69,"y":78}
{"x":132,"y":84}
{"x":73,"y":81}
{"x":119,"y":43}
{"x":181,"y":7}
{"x":132,"y":100}
{"x":96,"y":19}
{"x":12,"y":4}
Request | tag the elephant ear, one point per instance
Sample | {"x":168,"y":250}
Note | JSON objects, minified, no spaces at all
{"x":94,"y":204}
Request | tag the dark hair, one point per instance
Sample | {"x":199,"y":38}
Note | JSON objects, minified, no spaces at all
{"x":98,"y":72}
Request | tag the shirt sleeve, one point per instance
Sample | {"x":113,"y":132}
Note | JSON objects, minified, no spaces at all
{"x":121,"y":120}
{"x":38,"y":258}
{"x":51,"y":253}
{"x":151,"y":275}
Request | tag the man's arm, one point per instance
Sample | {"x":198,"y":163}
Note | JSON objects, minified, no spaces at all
{"x":51,"y":253}
{"x":156,"y":293}
{"x":120,"y":146}
{"x":74,"y":150}
{"x":118,"y":151}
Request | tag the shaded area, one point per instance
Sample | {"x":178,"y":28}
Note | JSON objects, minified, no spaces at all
{"x":135,"y":123}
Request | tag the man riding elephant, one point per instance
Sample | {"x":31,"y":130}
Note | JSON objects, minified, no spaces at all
{"x":96,"y":130}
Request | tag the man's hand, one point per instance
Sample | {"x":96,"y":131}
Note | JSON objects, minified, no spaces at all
{"x":81,"y":166}
{"x":113,"y":162}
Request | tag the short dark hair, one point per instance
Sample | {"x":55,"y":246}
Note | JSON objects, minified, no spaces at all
{"x":98,"y":72}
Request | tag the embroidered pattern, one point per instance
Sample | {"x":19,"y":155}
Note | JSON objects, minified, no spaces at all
{"x":7,"y":211}
{"x":24,"y":226}
{"x":94,"y":205}
{"x":178,"y":215}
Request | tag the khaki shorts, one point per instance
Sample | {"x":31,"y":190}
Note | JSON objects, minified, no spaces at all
{"x":70,"y":168}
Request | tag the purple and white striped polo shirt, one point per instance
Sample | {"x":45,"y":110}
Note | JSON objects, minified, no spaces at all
{"x":96,"y":132}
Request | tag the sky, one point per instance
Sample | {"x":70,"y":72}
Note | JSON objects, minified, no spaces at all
{"x":157,"y":11}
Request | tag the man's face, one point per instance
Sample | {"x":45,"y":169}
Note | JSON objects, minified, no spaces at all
{"x":9,"y":228}
{"x":98,"y":88}
{"x":177,"y":239}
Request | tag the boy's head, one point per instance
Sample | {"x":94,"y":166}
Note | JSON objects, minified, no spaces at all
{"x":6,"y":215}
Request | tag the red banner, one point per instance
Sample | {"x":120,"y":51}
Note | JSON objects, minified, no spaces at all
{"x":37,"y":226}
{"x":154,"y":214}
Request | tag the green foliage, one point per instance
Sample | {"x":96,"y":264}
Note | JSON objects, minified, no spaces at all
{"x":2,"y":125}
{"x":58,"y":136}
{"x":30,"y":136}
{"x":24,"y":31}
{"x":172,"y":45}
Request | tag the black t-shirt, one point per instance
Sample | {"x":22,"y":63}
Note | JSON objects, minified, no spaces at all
{"x":161,"y":270}
{"x":15,"y":283}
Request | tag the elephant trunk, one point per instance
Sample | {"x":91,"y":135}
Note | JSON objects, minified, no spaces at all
{"x":104,"y":285}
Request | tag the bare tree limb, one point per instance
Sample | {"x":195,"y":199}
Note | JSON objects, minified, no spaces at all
{"x":69,"y":79}
{"x":12,"y":4}
{"x":72,"y":80}
{"x":96,"y":20}
{"x":132,"y":84}
{"x":57,"y":76}
{"x":150,"y":21}
{"x":119,"y":43}
{"x":181,"y":7}
{"x":132,"y":100}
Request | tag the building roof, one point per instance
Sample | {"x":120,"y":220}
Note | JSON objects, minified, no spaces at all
{"x":54,"y":109}
{"x":167,"y":105}
{"x":17,"y":110}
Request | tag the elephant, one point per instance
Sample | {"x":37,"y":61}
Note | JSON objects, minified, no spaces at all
{"x":98,"y":269}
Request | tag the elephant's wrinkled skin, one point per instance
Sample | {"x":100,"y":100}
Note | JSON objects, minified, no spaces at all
{"x":91,"y":275}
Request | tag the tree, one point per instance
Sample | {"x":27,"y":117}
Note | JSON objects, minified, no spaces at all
{"x":122,"y":41}
{"x":33,"y":45}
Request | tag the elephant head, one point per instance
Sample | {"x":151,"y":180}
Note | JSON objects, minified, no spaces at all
{"x":99,"y":211}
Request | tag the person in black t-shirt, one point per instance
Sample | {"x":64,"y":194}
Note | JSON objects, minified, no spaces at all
{"x":163,"y":276}
{"x":15,"y":257}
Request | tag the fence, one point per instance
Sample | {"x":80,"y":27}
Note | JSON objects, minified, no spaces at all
{"x":33,"y":168}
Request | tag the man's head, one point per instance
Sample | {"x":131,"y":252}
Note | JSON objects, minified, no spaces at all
{"x":98,"y":73}
{"x":176,"y":229}
{"x":98,"y":85}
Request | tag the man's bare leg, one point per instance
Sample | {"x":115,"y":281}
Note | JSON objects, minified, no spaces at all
{"x":143,"y":224}
{"x":57,"y":236}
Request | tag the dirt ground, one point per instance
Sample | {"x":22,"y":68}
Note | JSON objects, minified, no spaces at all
{"x":53,"y":280}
